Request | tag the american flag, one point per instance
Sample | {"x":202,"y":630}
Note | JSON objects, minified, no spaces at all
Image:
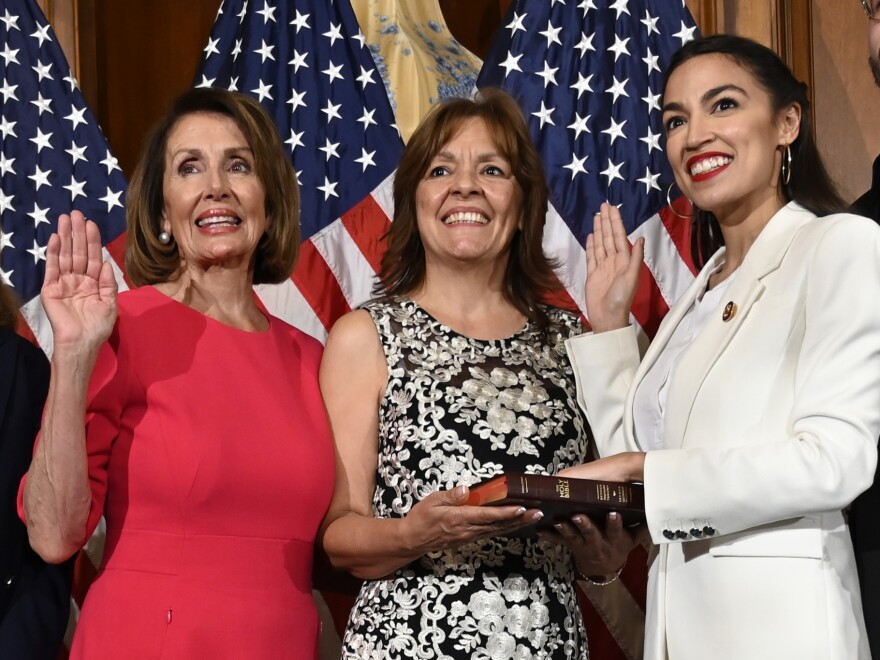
{"x":588,"y":75}
{"x":54,"y":158}
{"x":309,"y":64}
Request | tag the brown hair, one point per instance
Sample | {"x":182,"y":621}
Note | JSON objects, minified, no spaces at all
{"x":147,"y":260}
{"x":8,"y":307}
{"x":529,"y":272}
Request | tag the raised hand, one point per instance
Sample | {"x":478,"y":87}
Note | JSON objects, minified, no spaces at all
{"x":79,"y":290}
{"x":613,"y":268}
{"x":444,"y":520}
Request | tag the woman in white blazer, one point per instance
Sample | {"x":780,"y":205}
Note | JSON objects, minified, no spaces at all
{"x":752,"y":419}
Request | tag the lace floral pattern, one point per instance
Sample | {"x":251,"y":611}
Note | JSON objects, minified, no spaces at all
{"x":459,"y":411}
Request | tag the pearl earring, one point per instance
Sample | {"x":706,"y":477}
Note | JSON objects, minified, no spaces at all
{"x":164,"y":238}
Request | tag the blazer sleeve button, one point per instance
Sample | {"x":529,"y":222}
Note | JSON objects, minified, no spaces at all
{"x":681,"y":534}
{"x":708,"y":530}
{"x":696,"y":533}
{"x":668,"y":533}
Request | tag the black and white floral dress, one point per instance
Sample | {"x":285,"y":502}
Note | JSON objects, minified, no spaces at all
{"x":457,"y":411}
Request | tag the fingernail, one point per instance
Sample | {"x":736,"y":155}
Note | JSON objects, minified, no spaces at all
{"x":520,"y":511}
{"x":558,"y":526}
{"x":613,"y":515}
{"x":539,"y":515}
{"x":578,"y":519}
{"x":460,"y":490}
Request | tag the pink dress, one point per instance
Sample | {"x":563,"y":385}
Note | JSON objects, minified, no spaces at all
{"x":211,"y":456}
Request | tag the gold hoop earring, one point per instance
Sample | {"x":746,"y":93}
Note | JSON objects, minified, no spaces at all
{"x":672,"y":207}
{"x":785,"y":172}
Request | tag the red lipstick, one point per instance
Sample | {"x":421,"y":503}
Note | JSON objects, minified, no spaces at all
{"x":693,"y":160}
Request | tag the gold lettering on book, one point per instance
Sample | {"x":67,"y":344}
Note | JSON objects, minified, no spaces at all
{"x":624,"y":494}
{"x":603,"y":493}
{"x":563,"y":488}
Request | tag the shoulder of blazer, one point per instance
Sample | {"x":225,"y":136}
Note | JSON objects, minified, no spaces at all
{"x":774,"y":242}
{"x":819,"y":233}
{"x":850,"y":224}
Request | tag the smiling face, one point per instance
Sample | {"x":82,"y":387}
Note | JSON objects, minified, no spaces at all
{"x":215,"y":204}
{"x":468,"y":203}
{"x":724,"y":137}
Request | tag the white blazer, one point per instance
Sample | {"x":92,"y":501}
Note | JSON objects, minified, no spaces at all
{"x":770,"y":430}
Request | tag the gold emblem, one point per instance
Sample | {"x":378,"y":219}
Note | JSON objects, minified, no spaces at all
{"x":729,"y":311}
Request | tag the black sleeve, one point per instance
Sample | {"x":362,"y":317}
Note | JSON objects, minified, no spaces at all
{"x":34,"y":596}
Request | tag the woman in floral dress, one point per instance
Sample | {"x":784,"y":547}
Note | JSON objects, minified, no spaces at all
{"x":454,"y":374}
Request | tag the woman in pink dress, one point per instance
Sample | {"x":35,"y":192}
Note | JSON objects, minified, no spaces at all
{"x":181,"y":411}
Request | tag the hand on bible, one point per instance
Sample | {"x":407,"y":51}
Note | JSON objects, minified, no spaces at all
{"x":444,"y":520}
{"x":596,"y":552}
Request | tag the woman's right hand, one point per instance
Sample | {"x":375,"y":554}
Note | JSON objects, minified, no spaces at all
{"x":613,"y":268}
{"x":444,"y":520}
{"x":79,"y":290}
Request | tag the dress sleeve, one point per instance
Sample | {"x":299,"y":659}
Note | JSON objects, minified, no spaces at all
{"x":604,"y":366}
{"x":108,"y":389}
{"x":829,"y":452}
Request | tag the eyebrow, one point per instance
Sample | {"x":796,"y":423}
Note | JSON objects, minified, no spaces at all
{"x":710,"y":94}
{"x":483,"y":157}
{"x":195,"y":151}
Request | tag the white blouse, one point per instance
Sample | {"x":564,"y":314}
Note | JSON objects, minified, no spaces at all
{"x":649,"y":403}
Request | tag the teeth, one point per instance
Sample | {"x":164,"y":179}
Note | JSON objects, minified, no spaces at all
{"x":470,"y":216}
{"x":217,"y":220}
{"x":709,"y":164}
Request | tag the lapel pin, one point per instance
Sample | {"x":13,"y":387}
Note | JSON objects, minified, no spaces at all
{"x":729,"y":311}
